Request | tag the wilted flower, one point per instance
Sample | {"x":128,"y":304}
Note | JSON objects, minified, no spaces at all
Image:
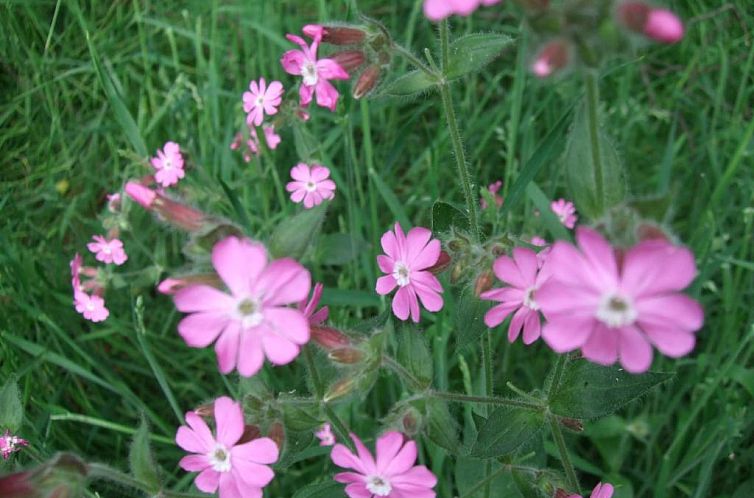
{"x":169,"y":165}
{"x":660,"y":25}
{"x":553,"y":56}
{"x":311,"y":184}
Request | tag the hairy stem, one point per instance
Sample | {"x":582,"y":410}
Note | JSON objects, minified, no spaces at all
{"x":491,"y":400}
{"x":319,"y":387}
{"x":417,"y":62}
{"x":565,"y":459}
{"x":399,"y":369}
{"x":592,"y":114}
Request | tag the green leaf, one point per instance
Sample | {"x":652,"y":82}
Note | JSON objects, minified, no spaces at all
{"x":293,"y":236}
{"x":551,"y":222}
{"x":338,"y":249}
{"x":446,"y":216}
{"x":591,"y":391}
{"x":580,"y":169}
{"x":470,"y":472}
{"x":505,"y":430}
{"x":243,"y":215}
{"x":387,"y":194}
{"x":305,"y":142}
{"x":469,"y":318}
{"x":11,"y":411}
{"x":408,"y":85}
{"x":300,"y":417}
{"x":414,"y":355}
{"x":470,"y":53}
{"x":141,"y":460}
{"x":442,"y":428}
{"x":328,"y":489}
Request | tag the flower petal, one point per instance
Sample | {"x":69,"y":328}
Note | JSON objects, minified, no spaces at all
{"x":229,"y":421}
{"x":262,"y":450}
{"x":239,"y":262}
{"x":199,"y":330}
{"x":635,"y":352}
{"x":567,"y":334}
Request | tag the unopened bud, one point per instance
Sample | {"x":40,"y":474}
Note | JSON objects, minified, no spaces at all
{"x":205,"y":411}
{"x":554,"y":56}
{"x":170,"y":286}
{"x":575,"y":425}
{"x":141,"y":194}
{"x":442,"y":263}
{"x":367,"y":81}
{"x":277,"y":434}
{"x":561,"y":493}
{"x":340,"y":389}
{"x":329,"y":338}
{"x":483,"y":282}
{"x":250,"y":433}
{"x":343,"y":35}
{"x":411,"y":422}
{"x":180,"y":215}
{"x":349,"y":59}
{"x":456,"y":273}
{"x":346,"y":356}
{"x":660,"y":25}
{"x":648,"y":231}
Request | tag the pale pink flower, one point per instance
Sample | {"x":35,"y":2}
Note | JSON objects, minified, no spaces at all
{"x":10,"y":444}
{"x":546,"y":248}
{"x":271,"y":137}
{"x":524,"y":276}
{"x":565,"y":211}
{"x":253,"y":320}
{"x":315,"y":73}
{"x":311,"y":184}
{"x":308,"y":307}
{"x":108,"y":251}
{"x":325,"y":435}
{"x":91,"y":306}
{"x":169,"y":164}
{"x":392,"y":474}
{"x":236,"y":470}
{"x":615,"y":305}
{"x":261,"y":100}
{"x":436,"y":10}
{"x":493,"y":189}
{"x":600,"y":491}
{"x":406,"y":262}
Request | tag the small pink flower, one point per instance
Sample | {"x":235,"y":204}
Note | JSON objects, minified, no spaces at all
{"x":600,"y":491}
{"x":169,"y":165}
{"x":437,"y":10}
{"x":392,"y":474}
{"x":565,"y":211}
{"x":91,"y":306}
{"x":10,"y":444}
{"x":307,"y":307}
{"x":493,"y":189}
{"x":325,"y":435}
{"x":523,"y":275}
{"x":108,"y":251}
{"x":615,"y":306}
{"x":253,"y":320}
{"x":546,"y":248}
{"x":75,"y":264}
{"x":310,"y":184}
{"x":260,"y":100}
{"x":145,"y":196}
{"x":271,"y":137}
{"x":237,"y":470}
{"x":315,"y":73}
{"x":406,"y":261}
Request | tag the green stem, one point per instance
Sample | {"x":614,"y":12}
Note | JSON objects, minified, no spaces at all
{"x":488,"y":480}
{"x":399,"y":369}
{"x":319,"y":387}
{"x":417,"y":62}
{"x":592,"y":110}
{"x":565,"y":459}
{"x":491,"y":400}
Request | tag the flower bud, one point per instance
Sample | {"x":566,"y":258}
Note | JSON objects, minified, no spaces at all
{"x":170,"y":286}
{"x":343,"y":35}
{"x":277,"y":434}
{"x":340,"y":389}
{"x":367,"y":81}
{"x":329,"y":338}
{"x":141,"y":194}
{"x":660,"y":25}
{"x":411,"y":422}
{"x":442,"y":263}
{"x":572,"y":423}
{"x":250,"y":432}
{"x":456,"y":273}
{"x":554,"y":56}
{"x":561,"y":493}
{"x":483,"y":282}
{"x":349,"y":59}
{"x":17,"y":485}
{"x":650,"y":231}
{"x":180,"y":215}
{"x":346,"y":356}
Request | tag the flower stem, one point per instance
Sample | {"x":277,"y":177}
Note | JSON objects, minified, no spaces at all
{"x":491,"y":400}
{"x":319,"y":388}
{"x":592,"y":110}
{"x":557,"y":435}
{"x":399,"y":369}
{"x":417,"y":62}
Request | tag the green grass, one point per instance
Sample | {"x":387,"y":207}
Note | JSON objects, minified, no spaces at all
{"x":88,"y":88}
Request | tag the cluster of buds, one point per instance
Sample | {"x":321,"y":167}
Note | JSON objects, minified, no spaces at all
{"x":471,"y":262}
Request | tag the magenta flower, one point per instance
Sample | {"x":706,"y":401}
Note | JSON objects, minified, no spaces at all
{"x":406,"y":261}
{"x":10,"y":444}
{"x":169,"y":164}
{"x":315,"y":73}
{"x":437,"y":10}
{"x":108,"y":251}
{"x":310,"y":184}
{"x":238,"y":470}
{"x":615,"y":306}
{"x":493,"y":189}
{"x":523,"y":275}
{"x":91,"y":306}
{"x":260,"y":100}
{"x":325,"y":435}
{"x":253,"y":320}
{"x":392,"y":475}
{"x":565,"y":211}
{"x":307,"y":307}
{"x":600,"y":491}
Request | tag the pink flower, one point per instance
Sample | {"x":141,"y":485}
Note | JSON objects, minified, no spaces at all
{"x":600,"y":491}
{"x":614,"y":306}
{"x":310,"y":184}
{"x":169,"y":164}
{"x":660,"y":25}
{"x":546,"y":248}
{"x":271,"y":137}
{"x":260,"y":100}
{"x":437,"y":10}
{"x":108,"y":251}
{"x":315,"y":73}
{"x":325,"y":435}
{"x":252,"y":321}
{"x":91,"y":306}
{"x":406,"y":261}
{"x":75,"y":265}
{"x":238,"y":470}
{"x":307,"y":307}
{"x":145,"y":196}
{"x":493,"y":189}
{"x":523,"y":275}
{"x":10,"y":444}
{"x":565,"y":211}
{"x":392,"y":475}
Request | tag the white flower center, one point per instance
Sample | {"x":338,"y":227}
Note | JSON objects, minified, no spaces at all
{"x":167,"y":163}
{"x":309,"y":73}
{"x":616,"y":311}
{"x":311,"y":186}
{"x":106,"y":249}
{"x":250,"y":313}
{"x":379,"y":486}
{"x":219,"y":458}
{"x":529,"y":301}
{"x":401,"y":273}
{"x":89,"y":306}
{"x":260,"y":100}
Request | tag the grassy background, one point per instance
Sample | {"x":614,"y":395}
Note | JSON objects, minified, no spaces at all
{"x":680,"y":115}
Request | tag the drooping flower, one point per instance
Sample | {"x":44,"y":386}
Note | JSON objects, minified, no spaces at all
{"x":565,"y":211}
{"x":91,"y":306}
{"x":261,"y":100}
{"x":311,"y":184}
{"x":615,"y":306}
{"x":10,"y":444}
{"x":315,"y":73}
{"x":308,"y":308}
{"x":252,"y":320}
{"x":437,"y":10}
{"x":108,"y":251}
{"x":236,"y":470}
{"x":406,"y":260}
{"x":392,"y":474}
{"x":524,"y":277}
{"x":493,"y":189}
{"x":600,"y":491}
{"x":169,"y":164}
{"x":325,"y":435}
{"x":660,"y":25}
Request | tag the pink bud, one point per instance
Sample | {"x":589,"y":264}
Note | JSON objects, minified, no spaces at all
{"x":181,"y":215}
{"x":663,"y":26}
{"x":141,"y":194}
{"x":367,"y":81}
{"x":170,"y":286}
{"x":329,"y":338}
{"x":349,"y":59}
{"x":552,"y":57}
{"x":343,"y":35}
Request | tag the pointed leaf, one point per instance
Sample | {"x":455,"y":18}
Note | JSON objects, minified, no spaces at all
{"x":408,"y":85}
{"x":293,"y":236}
{"x":446,"y":216}
{"x":143,"y":466}
{"x":329,"y":489}
{"x":442,"y":428}
{"x":414,"y":355}
{"x":469,"y":318}
{"x":505,"y":430}
{"x":470,"y":53}
{"x":11,"y":411}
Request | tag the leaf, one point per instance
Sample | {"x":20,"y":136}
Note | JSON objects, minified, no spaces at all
{"x":395,"y":205}
{"x":293,"y":236}
{"x":505,"y":430}
{"x":329,"y":489}
{"x":408,"y":85}
{"x":11,"y":411}
{"x":306,"y":144}
{"x":141,"y":460}
{"x":469,"y":318}
{"x":414,"y":355}
{"x":470,"y":53}
{"x":446,"y":216}
{"x":469,"y":473}
{"x":591,"y":391}
{"x":338,"y":249}
{"x":551,"y":222}
{"x":243,"y":215}
{"x":441,"y":427}
{"x":299,"y":417}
